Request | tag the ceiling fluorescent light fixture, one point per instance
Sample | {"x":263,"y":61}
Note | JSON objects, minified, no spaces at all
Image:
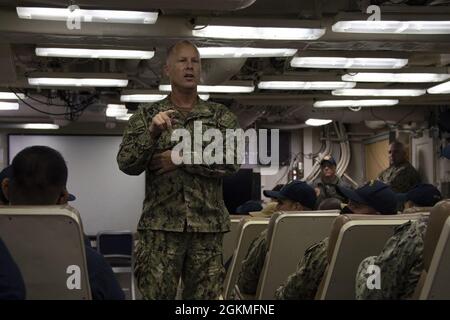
{"x":107,"y":16}
{"x":263,"y":33}
{"x":236,"y":52}
{"x":77,"y":82}
{"x":40,"y":126}
{"x":392,"y":27}
{"x":395,"y":77}
{"x":379,"y":92}
{"x":305,"y":85}
{"x":8,"y":106}
{"x":116,"y":110}
{"x":94,"y":53}
{"x":348,"y":63}
{"x":442,"y":88}
{"x":317,"y":122}
{"x":355,"y":103}
{"x":125,"y":117}
{"x":11,"y":96}
{"x":142,"y":97}
{"x":216,"y":89}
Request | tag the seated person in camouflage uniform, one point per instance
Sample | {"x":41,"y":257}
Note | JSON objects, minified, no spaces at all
{"x":375,"y":197}
{"x":400,"y":261}
{"x":295,"y":196}
{"x":400,"y":175}
{"x":326,"y":186}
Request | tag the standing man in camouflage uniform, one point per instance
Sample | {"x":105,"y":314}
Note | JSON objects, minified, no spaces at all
{"x":184,"y":216}
{"x":400,"y":175}
{"x":326,"y":186}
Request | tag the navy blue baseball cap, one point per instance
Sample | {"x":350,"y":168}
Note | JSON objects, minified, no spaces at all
{"x":249,"y":206}
{"x":375,"y":194}
{"x":423,"y":195}
{"x":71,"y":197}
{"x":298,"y":191}
{"x":328,"y":159}
{"x":446,"y":152}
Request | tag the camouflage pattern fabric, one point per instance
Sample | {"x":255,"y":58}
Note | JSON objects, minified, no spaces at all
{"x":191,"y":195}
{"x":303,"y":284}
{"x":400,"y":263}
{"x":163,"y":257}
{"x":329,"y":190}
{"x":401,"y":178}
{"x":253,"y":264}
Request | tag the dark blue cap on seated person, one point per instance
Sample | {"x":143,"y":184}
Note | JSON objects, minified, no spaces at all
{"x":423,"y":195}
{"x":446,"y":152}
{"x":329,"y":160}
{"x":298,"y":191}
{"x":375,"y":194}
{"x":249,"y":206}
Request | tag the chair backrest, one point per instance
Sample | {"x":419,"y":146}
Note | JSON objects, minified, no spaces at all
{"x":433,"y":283}
{"x":115,"y":243}
{"x":47,"y":244}
{"x":417,"y":210}
{"x":289,"y":235}
{"x":229,"y":238}
{"x":249,"y":229}
{"x":352,"y":239}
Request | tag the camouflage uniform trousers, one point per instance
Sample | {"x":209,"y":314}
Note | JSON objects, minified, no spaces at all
{"x":163,"y":257}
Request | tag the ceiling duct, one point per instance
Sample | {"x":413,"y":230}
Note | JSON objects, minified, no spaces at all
{"x":8,"y":70}
{"x":217,"y":71}
{"x":217,"y":5}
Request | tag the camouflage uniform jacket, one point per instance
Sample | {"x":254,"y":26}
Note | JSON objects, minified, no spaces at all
{"x":303,"y":284}
{"x":401,"y":178}
{"x":400,"y":263}
{"x":253,"y":264}
{"x":329,"y":190}
{"x":190,"y":197}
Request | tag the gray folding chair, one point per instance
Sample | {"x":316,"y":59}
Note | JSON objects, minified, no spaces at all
{"x":289,"y":235}
{"x":433,"y":283}
{"x":249,"y":229}
{"x":47,"y":243}
{"x":117,"y":247}
{"x":352,"y":239}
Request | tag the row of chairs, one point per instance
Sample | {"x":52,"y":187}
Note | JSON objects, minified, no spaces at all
{"x":54,"y":266}
{"x":47,"y":244}
{"x":351,"y":239}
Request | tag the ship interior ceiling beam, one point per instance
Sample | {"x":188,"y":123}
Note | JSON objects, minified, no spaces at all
{"x":175,"y":27}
